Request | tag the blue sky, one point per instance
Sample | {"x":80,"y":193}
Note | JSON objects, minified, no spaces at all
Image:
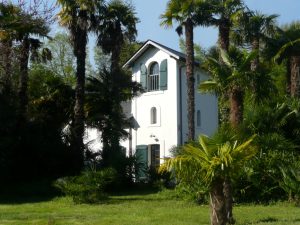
{"x":149,"y":27}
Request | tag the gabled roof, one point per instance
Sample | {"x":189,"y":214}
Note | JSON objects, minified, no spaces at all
{"x":149,"y":44}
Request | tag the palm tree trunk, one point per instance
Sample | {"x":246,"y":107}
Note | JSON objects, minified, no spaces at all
{"x":189,"y":38}
{"x":295,"y":76}
{"x":236,"y":106}
{"x":217,"y":204}
{"x":7,"y":49}
{"x":255,"y":62}
{"x":77,"y":129}
{"x":23,"y":82}
{"x":224,"y":29}
{"x":227,"y":190}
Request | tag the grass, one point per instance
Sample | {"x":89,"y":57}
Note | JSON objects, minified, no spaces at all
{"x":142,"y":209}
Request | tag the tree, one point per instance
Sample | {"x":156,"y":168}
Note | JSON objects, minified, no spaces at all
{"x":188,"y":14}
{"x":78,"y":16}
{"x":230,"y":76}
{"x":253,"y":28}
{"x":212,"y":161}
{"x":118,"y":26}
{"x":63,"y":61}
{"x":286,"y":48}
{"x":223,"y":14}
{"x":104,"y":109}
{"x":20,"y":26}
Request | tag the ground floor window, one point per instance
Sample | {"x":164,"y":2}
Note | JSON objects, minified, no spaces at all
{"x":154,"y":155}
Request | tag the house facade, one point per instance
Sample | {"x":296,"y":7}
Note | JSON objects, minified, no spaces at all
{"x":159,"y":115}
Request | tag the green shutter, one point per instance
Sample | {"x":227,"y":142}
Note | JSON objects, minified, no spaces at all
{"x":163,"y":76}
{"x":144,"y":76}
{"x":142,"y":157}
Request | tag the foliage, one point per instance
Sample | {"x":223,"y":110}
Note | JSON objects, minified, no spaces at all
{"x":291,"y":181}
{"x":89,"y":187}
{"x":209,"y":160}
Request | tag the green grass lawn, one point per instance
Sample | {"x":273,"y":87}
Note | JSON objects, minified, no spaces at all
{"x":147,"y":209}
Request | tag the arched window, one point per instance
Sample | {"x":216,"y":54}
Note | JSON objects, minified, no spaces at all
{"x":153,"y":115}
{"x":153,"y":79}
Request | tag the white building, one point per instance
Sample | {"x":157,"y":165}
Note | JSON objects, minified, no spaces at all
{"x":159,"y":115}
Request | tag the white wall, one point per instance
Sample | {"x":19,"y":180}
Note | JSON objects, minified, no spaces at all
{"x":165,"y":132}
{"x":206,"y":103}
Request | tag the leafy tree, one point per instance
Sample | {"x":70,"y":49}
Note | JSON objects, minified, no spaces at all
{"x":212,"y":161}
{"x":63,"y":61}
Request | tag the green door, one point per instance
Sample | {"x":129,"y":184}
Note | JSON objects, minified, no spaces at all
{"x":142,"y":158}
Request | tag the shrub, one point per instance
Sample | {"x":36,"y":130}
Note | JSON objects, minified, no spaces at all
{"x":89,"y":187}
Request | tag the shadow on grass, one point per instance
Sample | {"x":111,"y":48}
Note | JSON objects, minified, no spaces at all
{"x":27,"y":193}
{"x":267,"y":220}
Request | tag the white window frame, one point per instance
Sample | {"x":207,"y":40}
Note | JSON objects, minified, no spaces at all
{"x":153,"y":78}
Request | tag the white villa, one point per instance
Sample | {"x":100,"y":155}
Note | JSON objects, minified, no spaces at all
{"x":159,"y":115}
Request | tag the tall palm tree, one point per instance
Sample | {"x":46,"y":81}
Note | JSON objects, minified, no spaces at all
{"x":78,"y":16}
{"x":286,"y":46}
{"x":188,"y":14}
{"x":224,"y":12}
{"x":17,"y":25}
{"x":8,"y":16}
{"x":212,"y":161}
{"x":231,"y":75}
{"x":118,"y":25}
{"x":253,"y":27}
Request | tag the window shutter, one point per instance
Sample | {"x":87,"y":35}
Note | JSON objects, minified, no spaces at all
{"x":142,"y":157}
{"x":144,"y":76}
{"x":163,"y":76}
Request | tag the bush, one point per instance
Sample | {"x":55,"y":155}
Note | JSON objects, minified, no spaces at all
{"x":89,"y":187}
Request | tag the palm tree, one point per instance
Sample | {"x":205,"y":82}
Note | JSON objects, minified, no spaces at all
{"x":118,"y":25}
{"x":17,"y":25}
{"x":231,"y":75}
{"x":212,"y":161}
{"x":253,"y":28}
{"x":188,"y":14}
{"x":286,"y":46}
{"x":78,"y":16}
{"x":8,"y":15}
{"x":224,"y":12}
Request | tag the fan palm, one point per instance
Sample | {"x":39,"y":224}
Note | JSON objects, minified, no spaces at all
{"x":286,"y":46}
{"x":118,"y":26}
{"x":230,"y":76}
{"x":212,"y":162}
{"x":224,"y":12}
{"x":78,"y":16}
{"x":252,"y":28}
{"x":188,"y":14}
{"x":21,"y":26}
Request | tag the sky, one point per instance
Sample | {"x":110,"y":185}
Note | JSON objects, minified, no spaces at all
{"x":149,"y":11}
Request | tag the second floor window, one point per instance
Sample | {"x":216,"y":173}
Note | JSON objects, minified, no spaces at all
{"x":153,"y":78}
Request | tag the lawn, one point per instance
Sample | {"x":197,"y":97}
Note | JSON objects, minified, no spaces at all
{"x":143,"y":209}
